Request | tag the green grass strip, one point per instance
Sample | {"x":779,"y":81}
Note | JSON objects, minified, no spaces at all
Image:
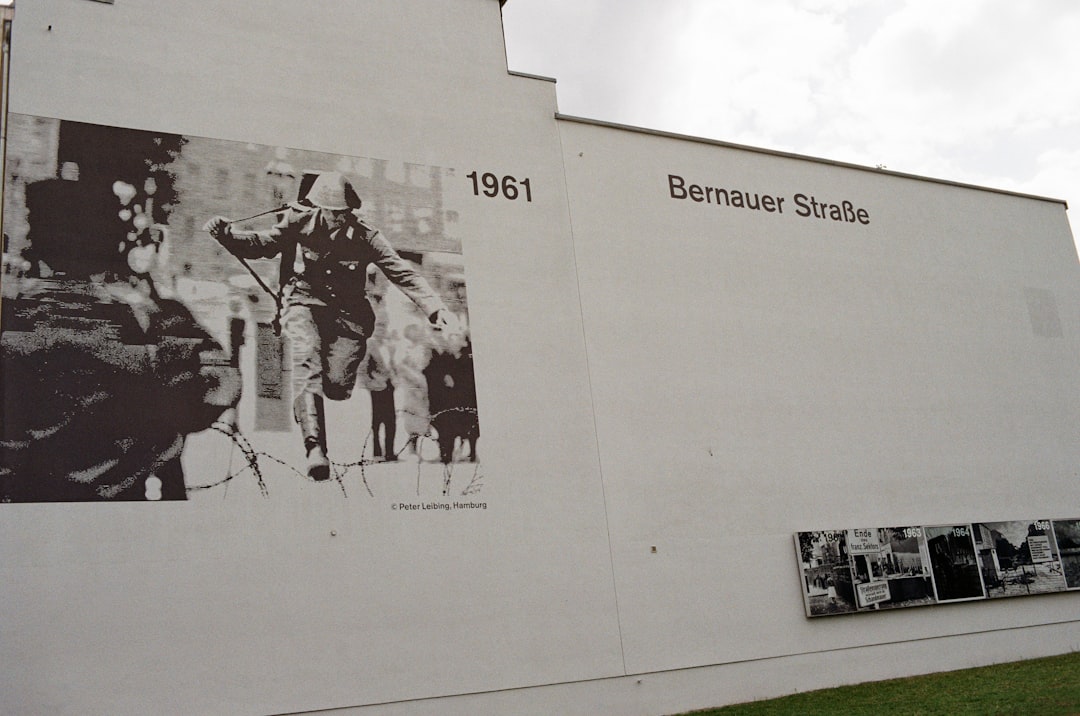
{"x":1046,"y":687}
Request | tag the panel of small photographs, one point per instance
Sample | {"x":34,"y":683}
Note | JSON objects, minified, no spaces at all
{"x":861,"y":570}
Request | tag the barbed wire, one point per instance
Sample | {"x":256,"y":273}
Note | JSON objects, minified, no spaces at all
{"x":253,"y":459}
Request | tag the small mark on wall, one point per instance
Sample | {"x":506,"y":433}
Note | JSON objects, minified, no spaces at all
{"x":1043,"y":312}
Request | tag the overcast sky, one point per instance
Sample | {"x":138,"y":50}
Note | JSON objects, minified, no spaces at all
{"x":978,"y":91}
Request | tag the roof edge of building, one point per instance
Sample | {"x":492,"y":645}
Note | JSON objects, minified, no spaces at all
{"x":804,"y":157}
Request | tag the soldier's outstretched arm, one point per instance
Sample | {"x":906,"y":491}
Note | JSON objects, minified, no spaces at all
{"x":246,"y":244}
{"x":404,"y":276}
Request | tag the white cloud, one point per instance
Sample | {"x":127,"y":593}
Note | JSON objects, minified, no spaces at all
{"x":762,"y":74}
{"x":1058,"y":176}
{"x":981,"y":91}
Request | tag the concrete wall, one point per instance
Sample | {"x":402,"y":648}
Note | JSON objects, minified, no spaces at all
{"x":755,"y":373}
{"x":667,"y":390}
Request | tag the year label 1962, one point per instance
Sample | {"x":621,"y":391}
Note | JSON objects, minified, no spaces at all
{"x":506,"y":186}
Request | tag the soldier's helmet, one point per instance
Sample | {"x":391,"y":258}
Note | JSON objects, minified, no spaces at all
{"x":331,"y":190}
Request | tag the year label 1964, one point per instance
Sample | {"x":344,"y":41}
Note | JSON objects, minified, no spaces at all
{"x":506,"y":186}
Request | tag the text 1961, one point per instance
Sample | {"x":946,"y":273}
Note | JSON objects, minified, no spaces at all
{"x":507,"y":186}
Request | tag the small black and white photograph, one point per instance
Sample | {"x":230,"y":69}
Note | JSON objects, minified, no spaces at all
{"x":901,"y":564}
{"x":867,"y":567}
{"x":1067,"y":540}
{"x":828,"y":586}
{"x":190,"y":318}
{"x":1018,"y":558}
{"x":954,"y":563}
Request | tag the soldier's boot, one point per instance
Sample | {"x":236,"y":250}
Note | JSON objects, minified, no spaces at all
{"x":308,"y":411}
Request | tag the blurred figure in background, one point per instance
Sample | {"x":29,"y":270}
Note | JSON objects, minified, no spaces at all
{"x":452,"y":396}
{"x":377,"y":381}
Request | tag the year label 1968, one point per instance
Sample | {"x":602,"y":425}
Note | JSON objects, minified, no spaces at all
{"x":506,"y":186}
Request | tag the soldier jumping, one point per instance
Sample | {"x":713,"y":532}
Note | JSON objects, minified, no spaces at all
{"x":325,"y":252}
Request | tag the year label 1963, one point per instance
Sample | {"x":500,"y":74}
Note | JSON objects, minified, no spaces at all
{"x":507,"y":186}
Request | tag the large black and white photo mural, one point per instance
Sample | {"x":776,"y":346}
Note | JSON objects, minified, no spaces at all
{"x":185,"y":316}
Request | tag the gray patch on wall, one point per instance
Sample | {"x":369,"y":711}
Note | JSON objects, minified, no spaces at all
{"x":1043,"y":311}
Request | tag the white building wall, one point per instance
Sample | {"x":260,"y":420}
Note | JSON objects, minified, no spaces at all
{"x":652,"y":373}
{"x":760,"y":373}
{"x":307,"y":600}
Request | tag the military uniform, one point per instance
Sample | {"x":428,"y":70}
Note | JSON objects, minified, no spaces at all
{"x":325,"y":252}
